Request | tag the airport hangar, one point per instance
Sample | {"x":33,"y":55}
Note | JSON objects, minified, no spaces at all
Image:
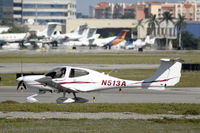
{"x":104,"y":26}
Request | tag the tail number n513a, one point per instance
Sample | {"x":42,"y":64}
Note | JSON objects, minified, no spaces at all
{"x":113,"y":83}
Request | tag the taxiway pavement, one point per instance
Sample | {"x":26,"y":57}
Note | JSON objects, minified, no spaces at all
{"x":170,"y":95}
{"x":43,"y":67}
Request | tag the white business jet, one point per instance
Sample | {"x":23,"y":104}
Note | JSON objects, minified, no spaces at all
{"x":88,"y":38}
{"x":4,"y":29}
{"x":13,"y":40}
{"x":48,"y":31}
{"x":140,"y":44}
{"x":73,"y":36}
{"x":68,"y":79}
{"x":13,"y":37}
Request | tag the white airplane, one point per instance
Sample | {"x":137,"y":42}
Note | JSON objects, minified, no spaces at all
{"x":68,"y":79}
{"x":88,"y":38}
{"x":73,"y":36}
{"x":4,"y":29}
{"x":110,"y":41}
{"x":78,"y":33}
{"x":38,"y":38}
{"x":13,"y":40}
{"x":14,"y":37}
{"x":139,"y":43}
{"x":48,"y":31}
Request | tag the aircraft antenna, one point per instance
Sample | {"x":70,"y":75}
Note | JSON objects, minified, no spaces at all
{"x":21,"y":68}
{"x":111,"y":71}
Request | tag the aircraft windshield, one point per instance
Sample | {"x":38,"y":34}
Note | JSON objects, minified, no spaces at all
{"x":57,"y":73}
{"x":77,"y":73}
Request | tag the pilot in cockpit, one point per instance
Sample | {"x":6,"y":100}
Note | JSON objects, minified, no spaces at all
{"x":62,"y":73}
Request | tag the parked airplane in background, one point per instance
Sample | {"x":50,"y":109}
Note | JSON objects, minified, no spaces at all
{"x":87,"y":40}
{"x":73,"y":36}
{"x":14,"y":37}
{"x":110,"y":41}
{"x":13,"y":40}
{"x":139,"y":43}
{"x":48,"y":31}
{"x":68,"y":79}
{"x":119,"y":38}
{"x":4,"y":29}
{"x":77,"y":34}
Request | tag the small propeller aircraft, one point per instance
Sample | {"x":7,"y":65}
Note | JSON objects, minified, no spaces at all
{"x":68,"y":79}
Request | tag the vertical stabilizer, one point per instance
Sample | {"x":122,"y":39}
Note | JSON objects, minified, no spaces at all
{"x":81,"y":28}
{"x":168,"y":74}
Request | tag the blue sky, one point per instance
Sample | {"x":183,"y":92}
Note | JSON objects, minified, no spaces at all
{"x":83,"y":5}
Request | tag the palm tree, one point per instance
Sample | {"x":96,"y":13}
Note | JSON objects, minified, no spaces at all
{"x":180,"y":24}
{"x":139,"y":24}
{"x":152,"y":22}
{"x":167,"y":17}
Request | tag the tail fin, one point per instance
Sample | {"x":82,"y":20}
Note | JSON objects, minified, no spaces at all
{"x":150,"y":41}
{"x":92,"y":32}
{"x":48,"y":31}
{"x":51,"y":28}
{"x":81,"y":29}
{"x":168,"y":74}
{"x":123,"y":34}
{"x":119,"y":38}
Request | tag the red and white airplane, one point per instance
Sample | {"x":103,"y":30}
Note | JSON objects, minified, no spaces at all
{"x":68,"y":79}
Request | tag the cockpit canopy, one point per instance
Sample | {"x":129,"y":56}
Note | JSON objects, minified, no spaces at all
{"x":61,"y":72}
{"x":57,"y":73}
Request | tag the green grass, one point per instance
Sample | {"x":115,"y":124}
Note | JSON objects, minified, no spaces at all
{"x":8,"y":79}
{"x":147,"y":108}
{"x":188,"y":79}
{"x":97,"y":59}
{"x":98,"y":126}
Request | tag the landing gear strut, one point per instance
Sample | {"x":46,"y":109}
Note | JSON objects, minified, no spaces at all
{"x":75,"y":96}
{"x":32,"y":99}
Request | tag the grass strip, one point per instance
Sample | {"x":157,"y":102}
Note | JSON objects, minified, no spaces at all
{"x":146,"y":108}
{"x":95,"y":59}
{"x":98,"y":126}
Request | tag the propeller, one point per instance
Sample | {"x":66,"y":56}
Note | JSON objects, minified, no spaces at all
{"x":21,"y":83}
{"x":20,"y":80}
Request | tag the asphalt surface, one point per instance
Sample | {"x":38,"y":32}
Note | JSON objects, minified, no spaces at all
{"x":38,"y":67}
{"x":170,"y":95}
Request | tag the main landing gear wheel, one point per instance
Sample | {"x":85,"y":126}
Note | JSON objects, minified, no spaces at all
{"x":65,"y":99}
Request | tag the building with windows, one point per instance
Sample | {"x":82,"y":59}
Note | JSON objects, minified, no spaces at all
{"x":104,"y":10}
{"x":6,"y":10}
{"x":38,"y":11}
{"x":140,"y":10}
{"x":187,"y":9}
{"x":43,"y":11}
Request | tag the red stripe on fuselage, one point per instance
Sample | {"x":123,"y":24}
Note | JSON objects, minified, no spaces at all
{"x":77,"y":82}
{"x":154,"y":81}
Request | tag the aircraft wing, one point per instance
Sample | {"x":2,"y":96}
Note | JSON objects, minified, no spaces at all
{"x":49,"y":82}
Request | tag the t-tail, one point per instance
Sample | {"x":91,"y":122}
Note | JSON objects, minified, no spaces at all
{"x":168,"y":74}
{"x":49,"y":30}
